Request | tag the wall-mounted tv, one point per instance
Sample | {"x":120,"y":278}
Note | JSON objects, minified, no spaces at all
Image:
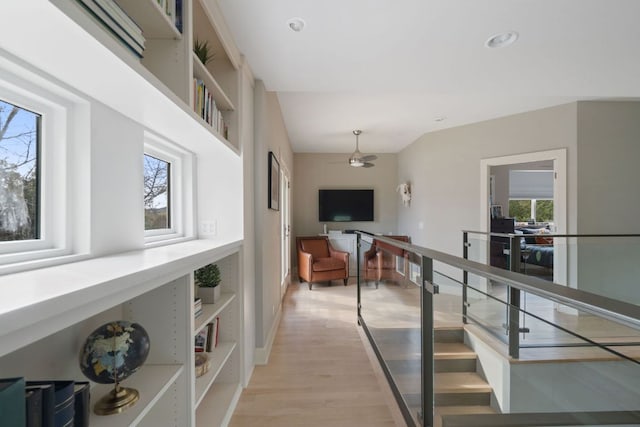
{"x":345,"y":205}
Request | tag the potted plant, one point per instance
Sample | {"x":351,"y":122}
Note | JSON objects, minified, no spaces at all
{"x":208,"y":281}
{"x":203,"y":51}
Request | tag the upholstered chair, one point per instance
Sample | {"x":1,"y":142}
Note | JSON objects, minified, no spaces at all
{"x":380,"y":260}
{"x":318,"y":261}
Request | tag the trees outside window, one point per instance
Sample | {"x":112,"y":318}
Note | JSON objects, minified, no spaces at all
{"x":520,"y":210}
{"x":157,"y":188}
{"x":524,"y":210}
{"x":19,"y":173}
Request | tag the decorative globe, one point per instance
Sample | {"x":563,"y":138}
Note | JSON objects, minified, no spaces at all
{"x":114,"y":351}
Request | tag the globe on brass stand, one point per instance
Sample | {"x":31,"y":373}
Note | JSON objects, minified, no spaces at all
{"x":118,"y":399}
{"x":112,"y":353}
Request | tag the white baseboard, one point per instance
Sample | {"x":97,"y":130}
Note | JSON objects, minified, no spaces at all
{"x":261,"y":355}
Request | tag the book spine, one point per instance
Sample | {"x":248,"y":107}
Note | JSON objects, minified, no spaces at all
{"x":12,"y":402}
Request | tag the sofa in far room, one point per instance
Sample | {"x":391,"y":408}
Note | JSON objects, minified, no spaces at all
{"x":536,"y":248}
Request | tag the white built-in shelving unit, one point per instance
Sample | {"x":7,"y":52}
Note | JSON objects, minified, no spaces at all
{"x":42,"y":339}
{"x":168,"y":61}
{"x":47,"y":313}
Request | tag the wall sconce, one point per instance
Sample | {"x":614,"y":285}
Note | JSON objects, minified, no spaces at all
{"x":405,"y":192}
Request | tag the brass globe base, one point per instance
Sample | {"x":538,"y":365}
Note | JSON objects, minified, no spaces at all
{"x":118,"y":399}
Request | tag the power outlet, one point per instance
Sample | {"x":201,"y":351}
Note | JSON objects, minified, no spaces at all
{"x":208,"y":228}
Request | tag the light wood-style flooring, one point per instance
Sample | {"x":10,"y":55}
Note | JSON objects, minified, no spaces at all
{"x":319,"y":372}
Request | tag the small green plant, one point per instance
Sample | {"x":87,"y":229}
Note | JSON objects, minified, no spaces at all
{"x":203,"y":51}
{"x":208,"y":276}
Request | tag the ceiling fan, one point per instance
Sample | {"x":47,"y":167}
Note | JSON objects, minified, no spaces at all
{"x":357,"y":160}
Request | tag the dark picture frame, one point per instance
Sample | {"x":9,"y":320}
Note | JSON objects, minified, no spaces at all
{"x":274,"y":182}
{"x":496,"y":211}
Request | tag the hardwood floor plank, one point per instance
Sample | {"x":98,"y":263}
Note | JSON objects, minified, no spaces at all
{"x":319,"y":372}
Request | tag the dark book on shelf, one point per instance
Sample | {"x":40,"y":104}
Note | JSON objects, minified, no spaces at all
{"x":33,"y":402}
{"x":48,"y":402}
{"x":12,"y":402}
{"x":63,"y":411}
{"x":81,"y":391}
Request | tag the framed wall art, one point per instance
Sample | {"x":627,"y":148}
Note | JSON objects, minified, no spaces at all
{"x":274,"y":182}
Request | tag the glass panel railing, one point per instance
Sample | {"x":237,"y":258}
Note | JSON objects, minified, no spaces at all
{"x":585,"y":381}
{"x":599,"y":264}
{"x":497,"y":347}
{"x":390,"y":311}
{"x":583,"y":385}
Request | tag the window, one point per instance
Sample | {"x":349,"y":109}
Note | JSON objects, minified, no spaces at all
{"x":157,"y":193}
{"x":44,"y":178}
{"x":167,"y":190}
{"x":524,"y":210}
{"x":19,"y":173}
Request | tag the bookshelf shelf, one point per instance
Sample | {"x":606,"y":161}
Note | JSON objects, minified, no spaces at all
{"x":212,"y":409}
{"x":149,"y":14}
{"x":200,"y":72}
{"x":218,"y":357}
{"x":151,"y":381}
{"x":210,"y":311}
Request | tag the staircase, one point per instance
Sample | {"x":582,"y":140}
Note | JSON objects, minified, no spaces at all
{"x":458,"y":389}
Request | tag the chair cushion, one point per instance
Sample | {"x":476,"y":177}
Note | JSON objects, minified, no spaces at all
{"x":317,"y":247}
{"x":328,"y":264}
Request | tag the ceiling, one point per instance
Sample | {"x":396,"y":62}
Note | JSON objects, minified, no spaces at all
{"x":392,"y":67}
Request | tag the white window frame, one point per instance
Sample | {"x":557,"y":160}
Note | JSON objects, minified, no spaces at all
{"x":63,"y":121}
{"x":180,"y":190}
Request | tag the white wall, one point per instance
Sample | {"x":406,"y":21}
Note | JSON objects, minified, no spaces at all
{"x":249,"y":247}
{"x":331,"y":171}
{"x":270,"y":134}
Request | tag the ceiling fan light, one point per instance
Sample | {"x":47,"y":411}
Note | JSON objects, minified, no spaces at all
{"x":355,"y":162}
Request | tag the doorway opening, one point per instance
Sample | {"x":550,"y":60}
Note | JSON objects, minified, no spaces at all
{"x":532,"y":187}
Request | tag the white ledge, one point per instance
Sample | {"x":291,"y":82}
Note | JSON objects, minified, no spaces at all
{"x":37,"y":303}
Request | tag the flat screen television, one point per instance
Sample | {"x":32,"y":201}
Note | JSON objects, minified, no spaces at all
{"x":345,"y":205}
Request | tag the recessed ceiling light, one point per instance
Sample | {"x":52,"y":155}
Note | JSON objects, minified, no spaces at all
{"x":296,"y":24}
{"x":501,"y":40}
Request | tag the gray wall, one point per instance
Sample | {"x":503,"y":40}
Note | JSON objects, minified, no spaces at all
{"x":322,"y":171}
{"x":608,"y":172}
{"x":501,"y":197}
{"x":270,"y":135}
{"x":444,"y":170}
{"x":608,"y":201}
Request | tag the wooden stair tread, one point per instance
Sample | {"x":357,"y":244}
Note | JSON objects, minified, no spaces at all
{"x":460,"y":382}
{"x":452,"y":350}
{"x":463,"y":410}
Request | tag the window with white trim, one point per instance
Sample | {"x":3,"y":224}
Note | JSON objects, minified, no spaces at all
{"x":167,"y":190}
{"x":42,"y":171}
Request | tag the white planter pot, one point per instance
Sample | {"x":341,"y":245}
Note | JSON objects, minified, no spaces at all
{"x":209,"y":295}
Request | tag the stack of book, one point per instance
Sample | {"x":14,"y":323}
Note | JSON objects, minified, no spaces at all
{"x":205,"y":106}
{"x":197,"y":308}
{"x":44,"y":403}
{"x":117,"y":22}
{"x":207,"y":338}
